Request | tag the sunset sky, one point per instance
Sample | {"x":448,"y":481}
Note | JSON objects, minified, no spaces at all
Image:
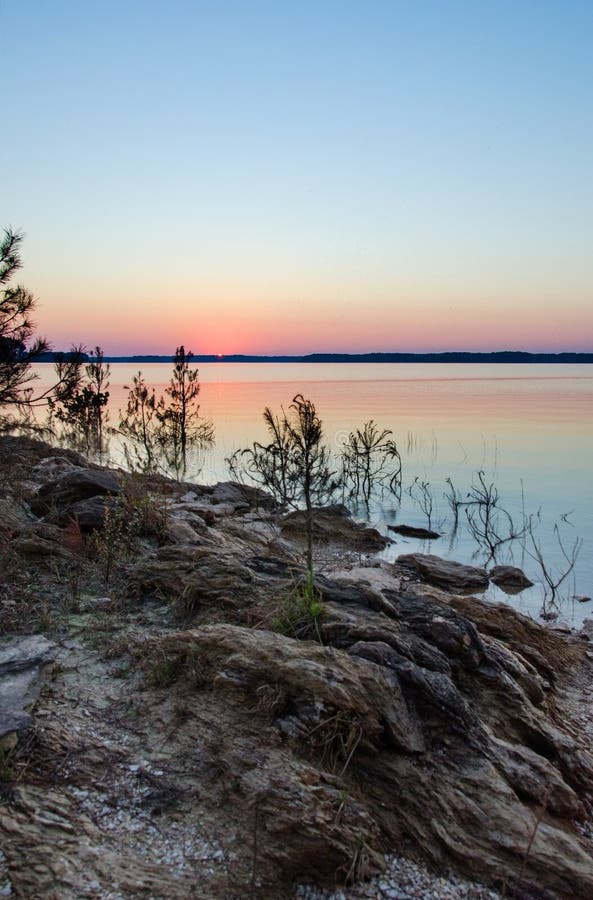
{"x":293,"y":177}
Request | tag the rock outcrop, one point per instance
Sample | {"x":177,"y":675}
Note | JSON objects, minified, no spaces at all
{"x":215,"y":721}
{"x":334,"y":525}
{"x":24,"y":663}
{"x":73,"y":487}
{"x":511,"y":579}
{"x":445,"y":573}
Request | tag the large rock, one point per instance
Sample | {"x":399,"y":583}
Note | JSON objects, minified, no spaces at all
{"x":39,"y":542}
{"x":88,"y":513}
{"x":241,"y":497}
{"x":79,"y":484}
{"x":510,"y":579}
{"x":192,"y":578}
{"x":24,"y":662}
{"x":245,"y":659}
{"x":420,"y":752}
{"x":444,"y":572}
{"x":24,"y":454}
{"x":333,"y":524}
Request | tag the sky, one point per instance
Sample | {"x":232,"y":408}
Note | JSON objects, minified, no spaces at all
{"x":295,"y":177}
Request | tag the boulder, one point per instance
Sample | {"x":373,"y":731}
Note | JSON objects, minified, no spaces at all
{"x":53,"y":467}
{"x":445,"y":573}
{"x":333,"y":525}
{"x":39,"y":542}
{"x":241,"y":497}
{"x":89,"y":513}
{"x":194,"y":579}
{"x":421,"y":753}
{"x":510,"y":579}
{"x":441,"y":626}
{"x":76,"y":485}
{"x":314,"y":682}
{"x":25,"y":453}
{"x":346,"y":590}
{"x":24,"y":662}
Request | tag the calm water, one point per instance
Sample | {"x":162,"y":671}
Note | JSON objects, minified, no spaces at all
{"x":529,"y":427}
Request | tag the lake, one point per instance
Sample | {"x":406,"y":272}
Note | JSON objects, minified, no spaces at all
{"x":529,"y":428}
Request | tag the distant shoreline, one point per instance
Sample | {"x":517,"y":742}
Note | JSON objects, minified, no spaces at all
{"x":499,"y":356}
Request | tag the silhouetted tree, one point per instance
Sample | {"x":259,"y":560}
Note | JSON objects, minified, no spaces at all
{"x":180,"y":426}
{"x":137,"y":425}
{"x":167,"y":429}
{"x":18,"y":346}
{"x":295,"y":466}
{"x":18,"y":349}
{"x":82,"y":407}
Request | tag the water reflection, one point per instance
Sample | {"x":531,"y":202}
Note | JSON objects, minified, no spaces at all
{"x":529,"y":428}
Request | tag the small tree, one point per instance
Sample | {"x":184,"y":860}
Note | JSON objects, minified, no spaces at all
{"x":271,"y":465}
{"x":18,"y":346}
{"x":82,"y":407}
{"x":18,"y":349}
{"x":180,"y":426}
{"x":294,"y":466}
{"x":165,"y":430}
{"x":138,"y":426}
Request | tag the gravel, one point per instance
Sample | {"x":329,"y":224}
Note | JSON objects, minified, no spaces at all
{"x":405,"y":880}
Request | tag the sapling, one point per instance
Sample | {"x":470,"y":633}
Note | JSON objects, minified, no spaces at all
{"x":19,"y":347}
{"x":295,"y":466}
{"x":180,"y":425}
{"x":81,"y":406}
{"x":160,"y":433}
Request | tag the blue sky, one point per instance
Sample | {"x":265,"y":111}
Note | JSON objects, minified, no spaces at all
{"x":260,"y":177}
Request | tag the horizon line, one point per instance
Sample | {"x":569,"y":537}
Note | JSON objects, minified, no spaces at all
{"x":500,"y":356}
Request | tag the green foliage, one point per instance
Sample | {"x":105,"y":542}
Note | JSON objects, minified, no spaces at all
{"x":163,"y":672}
{"x":166,"y":666}
{"x":272,"y":465}
{"x":180,"y":426}
{"x":128,"y":517}
{"x":299,"y":612}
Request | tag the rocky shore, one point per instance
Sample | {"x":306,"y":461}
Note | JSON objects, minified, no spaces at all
{"x":178,"y":718}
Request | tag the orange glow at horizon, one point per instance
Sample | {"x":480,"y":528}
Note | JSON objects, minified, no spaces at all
{"x":271,"y":318}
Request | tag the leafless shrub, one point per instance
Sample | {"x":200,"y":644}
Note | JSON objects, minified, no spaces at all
{"x":553,"y":578}
{"x":421,"y":493}
{"x":370,"y":461}
{"x":489,"y":523}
